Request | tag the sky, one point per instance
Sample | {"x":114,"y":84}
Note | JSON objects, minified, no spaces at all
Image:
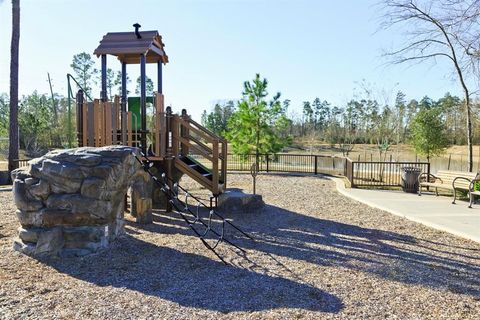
{"x":305,"y":48}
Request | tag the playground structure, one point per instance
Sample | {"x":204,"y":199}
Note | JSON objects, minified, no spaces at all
{"x":170,"y":141}
{"x":71,"y":202}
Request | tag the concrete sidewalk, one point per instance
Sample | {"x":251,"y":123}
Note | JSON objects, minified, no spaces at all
{"x":430,"y":210}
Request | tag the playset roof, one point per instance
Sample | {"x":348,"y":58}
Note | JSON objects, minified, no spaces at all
{"x":128,"y":47}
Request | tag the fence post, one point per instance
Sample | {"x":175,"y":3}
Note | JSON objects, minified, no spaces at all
{"x":268,"y":156}
{"x":352,"y":174}
{"x":316,"y":164}
{"x":428,"y":171}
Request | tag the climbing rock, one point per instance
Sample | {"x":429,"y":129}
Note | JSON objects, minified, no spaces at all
{"x":30,"y":181}
{"x":30,"y":219}
{"x":29,"y":235}
{"x":71,"y":202}
{"x":58,"y":217}
{"x":39,"y":190}
{"x":76,"y":203}
{"x":96,"y":188}
{"x":21,"y":198}
{"x":49,"y":242}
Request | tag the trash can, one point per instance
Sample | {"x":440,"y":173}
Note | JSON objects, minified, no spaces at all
{"x":410,"y":179}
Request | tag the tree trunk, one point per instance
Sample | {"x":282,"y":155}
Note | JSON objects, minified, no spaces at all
{"x":469,"y":132}
{"x":13,"y":135}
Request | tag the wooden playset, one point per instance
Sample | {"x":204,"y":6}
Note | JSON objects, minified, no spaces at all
{"x":169,"y":140}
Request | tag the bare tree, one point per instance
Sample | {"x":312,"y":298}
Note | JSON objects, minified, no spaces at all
{"x":13,"y":135}
{"x":439,"y":29}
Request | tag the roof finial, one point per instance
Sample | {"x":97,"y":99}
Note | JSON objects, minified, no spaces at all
{"x":136,"y":25}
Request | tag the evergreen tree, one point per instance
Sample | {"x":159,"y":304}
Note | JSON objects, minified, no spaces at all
{"x":428,"y":132}
{"x":149,"y":87}
{"x":258,"y":124}
{"x":84,"y":69}
{"x":217,"y":120}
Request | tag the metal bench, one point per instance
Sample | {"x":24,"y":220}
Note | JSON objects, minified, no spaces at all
{"x":450,"y":180}
{"x":471,"y":190}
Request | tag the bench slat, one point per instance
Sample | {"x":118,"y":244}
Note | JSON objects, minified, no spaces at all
{"x":447,"y":177}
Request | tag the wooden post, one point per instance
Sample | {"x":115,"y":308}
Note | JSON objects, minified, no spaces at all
{"x":169,"y":156}
{"x":159,"y":126}
{"x":143,"y":103}
{"x":184,"y":133}
{"x":104,"y":94}
{"x":129,"y":129}
{"x":124,"y":103}
{"x":224,"y":162}
{"x":80,"y":119}
{"x":316,"y":165}
{"x":115,"y":120}
{"x":90,"y":124}
{"x":85,"y":124}
{"x":140,"y":199}
{"x":108,"y":123}
{"x":96,"y":134}
{"x":215,"y":190}
{"x":159,"y":77}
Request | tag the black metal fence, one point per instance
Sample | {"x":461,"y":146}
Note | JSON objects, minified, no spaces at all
{"x":287,"y":162}
{"x":379,"y":174}
{"x":359,"y":173}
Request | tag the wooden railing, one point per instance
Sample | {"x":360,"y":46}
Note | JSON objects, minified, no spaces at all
{"x":101,"y":123}
{"x":159,"y":127}
{"x":206,"y":148}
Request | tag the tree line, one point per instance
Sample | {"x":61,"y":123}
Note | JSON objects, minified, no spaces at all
{"x":359,"y":121}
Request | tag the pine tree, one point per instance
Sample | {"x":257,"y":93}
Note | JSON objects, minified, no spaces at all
{"x":84,"y":69}
{"x":258,"y":124}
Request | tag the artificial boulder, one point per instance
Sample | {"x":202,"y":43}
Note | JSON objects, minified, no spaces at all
{"x":236,"y":202}
{"x":71,"y":202}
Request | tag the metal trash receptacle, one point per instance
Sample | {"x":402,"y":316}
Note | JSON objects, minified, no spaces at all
{"x":410,"y":179}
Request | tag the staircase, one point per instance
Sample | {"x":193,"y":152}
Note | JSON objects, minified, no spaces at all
{"x":199,"y":153}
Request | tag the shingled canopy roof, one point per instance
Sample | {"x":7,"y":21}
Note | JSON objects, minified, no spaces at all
{"x":128,"y":48}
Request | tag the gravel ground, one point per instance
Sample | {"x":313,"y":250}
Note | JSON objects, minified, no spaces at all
{"x":317,"y":255}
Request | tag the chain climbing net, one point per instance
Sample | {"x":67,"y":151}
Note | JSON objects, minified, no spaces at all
{"x":191,"y":214}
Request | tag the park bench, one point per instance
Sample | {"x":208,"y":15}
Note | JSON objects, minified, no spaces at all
{"x":450,"y":180}
{"x":474,"y":189}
